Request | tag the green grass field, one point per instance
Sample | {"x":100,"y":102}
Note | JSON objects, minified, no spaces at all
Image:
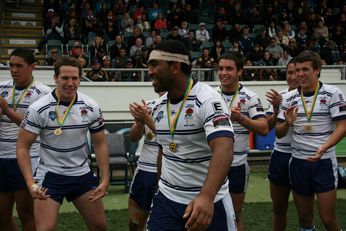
{"x":257,"y":210}
{"x":341,"y":147}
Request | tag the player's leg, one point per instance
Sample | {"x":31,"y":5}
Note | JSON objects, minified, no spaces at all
{"x":25,"y":209}
{"x":327,"y":209}
{"x":278,"y":175}
{"x":137,"y":216}
{"x":238,"y":203}
{"x":7,"y":221}
{"x":46,"y":214}
{"x":142,"y":190}
{"x":279,"y":195}
{"x":93,"y":213}
{"x":305,"y":209}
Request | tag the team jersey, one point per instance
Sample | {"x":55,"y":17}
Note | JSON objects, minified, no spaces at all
{"x":282,"y":144}
{"x":148,"y":158}
{"x":64,"y":154}
{"x":204,"y":116}
{"x":22,"y":99}
{"x":330,"y":106}
{"x":251,"y":107}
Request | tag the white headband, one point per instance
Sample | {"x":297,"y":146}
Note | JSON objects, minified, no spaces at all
{"x":168,"y":56}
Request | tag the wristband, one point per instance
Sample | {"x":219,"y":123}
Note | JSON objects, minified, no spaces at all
{"x":35,"y":187}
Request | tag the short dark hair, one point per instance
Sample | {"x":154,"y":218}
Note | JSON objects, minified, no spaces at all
{"x":177,"y":47}
{"x":237,"y":57}
{"x":308,"y":55}
{"x":67,"y":61}
{"x":26,"y":54}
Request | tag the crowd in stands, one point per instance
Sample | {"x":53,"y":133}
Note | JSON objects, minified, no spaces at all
{"x":268,"y":33}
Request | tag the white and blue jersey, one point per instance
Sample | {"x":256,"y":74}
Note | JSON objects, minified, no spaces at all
{"x":203,"y":117}
{"x":9,"y":129}
{"x":67,"y":153}
{"x":148,"y":158}
{"x":282,"y":144}
{"x":330,"y":106}
{"x":251,"y":107}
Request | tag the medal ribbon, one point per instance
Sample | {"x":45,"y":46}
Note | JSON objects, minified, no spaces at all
{"x":234,"y":96}
{"x":309,"y":113}
{"x":61,"y":121}
{"x":15,"y":105}
{"x":173,"y":123}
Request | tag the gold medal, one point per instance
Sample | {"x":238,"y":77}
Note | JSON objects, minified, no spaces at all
{"x":57,"y":132}
{"x":308,"y":128}
{"x":172,"y":146}
{"x":149,"y":136}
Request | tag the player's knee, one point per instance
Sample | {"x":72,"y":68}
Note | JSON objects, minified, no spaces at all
{"x":102,"y":226}
{"x":25,"y":213}
{"x":279,"y":210}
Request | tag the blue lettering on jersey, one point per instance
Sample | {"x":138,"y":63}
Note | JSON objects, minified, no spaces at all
{"x":159,"y":117}
{"x":52,"y":115}
{"x":4,"y":94}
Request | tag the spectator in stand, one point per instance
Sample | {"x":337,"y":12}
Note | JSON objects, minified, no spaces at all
{"x":202,"y":34}
{"x":115,"y":48}
{"x":82,"y":61}
{"x":136,"y":50}
{"x":173,"y":15}
{"x":266,"y":74}
{"x":143,"y":23}
{"x":120,"y":7}
{"x":283,"y":61}
{"x":78,"y":53}
{"x":302,"y":37}
{"x":127,"y":23}
{"x":106,"y":64}
{"x":275,"y":50}
{"x":272,"y":29}
{"x":73,"y":30}
{"x":105,"y":14}
{"x":54,"y":56}
{"x":174,"y":34}
{"x":137,"y":33}
{"x":157,"y":40}
{"x":246,"y":40}
{"x":206,"y":61}
{"x":188,"y":15}
{"x":249,"y":74}
{"x":111,"y":31}
{"x":219,"y":31}
{"x":55,"y":30}
{"x":321,"y":33}
{"x":256,"y":54}
{"x":271,"y":14}
{"x":130,"y":75}
{"x":287,"y":31}
{"x":97,"y":73}
{"x":143,"y":59}
{"x":183,"y":30}
{"x":235,"y":32}
{"x":153,"y":12}
{"x":139,"y":12}
{"x":90,"y":27}
{"x":98,"y":48}
{"x":338,"y":34}
{"x":253,"y":16}
{"x":217,"y":50}
{"x":191,"y":42}
{"x":160,"y":22}
{"x":236,"y":47}
{"x":293,"y":50}
{"x":281,"y":38}
{"x":237,"y":13}
{"x":262,"y":39}
{"x":221,"y":15}
{"x":150,"y":39}
{"x":120,"y":61}
{"x":329,"y":53}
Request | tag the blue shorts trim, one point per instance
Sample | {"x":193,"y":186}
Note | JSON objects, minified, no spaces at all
{"x":238,"y":177}
{"x":143,"y":188}
{"x":278,"y":172}
{"x":11,"y":178}
{"x":167,"y":215}
{"x":70,"y":187}
{"x":309,"y":177}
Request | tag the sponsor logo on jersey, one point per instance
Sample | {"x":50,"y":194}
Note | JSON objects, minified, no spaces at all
{"x":52,"y":115}
{"x":159,"y":116}
{"x":221,"y":120}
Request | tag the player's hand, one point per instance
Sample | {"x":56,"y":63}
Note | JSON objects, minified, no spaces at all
{"x":320,"y":151}
{"x":99,"y":192}
{"x":236,"y":115}
{"x":3,"y":105}
{"x":199,"y":213}
{"x":37,"y":192}
{"x":291,"y":115}
{"x":274,"y":98}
